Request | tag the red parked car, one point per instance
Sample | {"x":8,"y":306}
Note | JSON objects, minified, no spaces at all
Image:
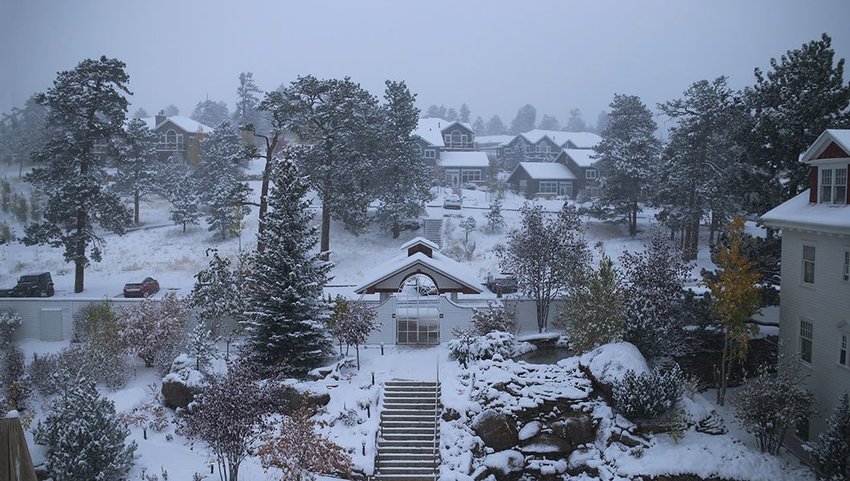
{"x":141,"y":289}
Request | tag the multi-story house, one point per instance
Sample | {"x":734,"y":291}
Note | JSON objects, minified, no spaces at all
{"x":535,"y":146}
{"x":582,"y":162}
{"x":437,"y":137}
{"x":814,"y":313}
{"x":179,"y":137}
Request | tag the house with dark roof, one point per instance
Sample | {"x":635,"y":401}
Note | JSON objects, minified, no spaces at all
{"x":814,"y":312}
{"x":536,"y":179}
{"x":458,"y":168}
{"x":582,"y":162}
{"x":435,"y":136}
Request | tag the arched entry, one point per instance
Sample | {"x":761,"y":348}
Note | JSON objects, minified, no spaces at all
{"x":417,"y":311}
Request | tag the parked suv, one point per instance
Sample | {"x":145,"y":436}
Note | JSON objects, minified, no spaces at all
{"x":31,"y":285}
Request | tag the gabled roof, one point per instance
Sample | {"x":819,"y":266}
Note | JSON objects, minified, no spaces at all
{"x":431,"y":130}
{"x":184,"y":123}
{"x":436,"y":263}
{"x":464,"y":159}
{"x":840,"y":136}
{"x":798,"y":213}
{"x":497,"y":140}
{"x":545,"y":170}
{"x":419,"y":240}
{"x":582,"y":157}
{"x":582,"y":140}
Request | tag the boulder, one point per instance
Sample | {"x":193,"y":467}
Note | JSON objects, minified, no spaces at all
{"x":450,"y":414}
{"x":547,"y":445}
{"x":505,"y":465}
{"x":177,"y":393}
{"x":530,"y":430}
{"x":577,"y":429}
{"x":497,"y":430}
{"x":287,"y":399}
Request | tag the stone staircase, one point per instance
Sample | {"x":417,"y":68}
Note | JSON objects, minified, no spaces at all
{"x":409,"y":436}
{"x":432,"y":229}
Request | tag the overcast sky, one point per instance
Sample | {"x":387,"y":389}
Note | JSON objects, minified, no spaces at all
{"x":493,"y":55}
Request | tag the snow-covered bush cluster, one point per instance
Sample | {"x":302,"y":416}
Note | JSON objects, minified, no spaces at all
{"x":831,"y":451}
{"x":493,"y":318}
{"x":489,"y":346}
{"x":648,"y":394}
{"x":9,"y":322}
{"x":154,"y":330}
{"x":14,"y":379}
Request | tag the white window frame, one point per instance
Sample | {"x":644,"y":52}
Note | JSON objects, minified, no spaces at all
{"x":551,"y":187}
{"x":470,"y":175}
{"x":565,"y":188}
{"x":806,"y":261}
{"x":430,"y":154}
{"x":832,"y":188}
{"x":806,"y":335}
{"x":591,"y":174}
{"x":845,"y":265}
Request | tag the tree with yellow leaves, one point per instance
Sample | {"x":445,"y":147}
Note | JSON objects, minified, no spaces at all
{"x":735,"y":300}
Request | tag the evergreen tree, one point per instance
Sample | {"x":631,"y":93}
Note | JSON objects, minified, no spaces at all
{"x":451,"y":115}
{"x":602,"y":122}
{"x":549,"y":122}
{"x":478,"y":126}
{"x":201,"y":346}
{"x":247,"y":111}
{"x":464,"y":113}
{"x":594,"y":312}
{"x":87,"y":108}
{"x":136,"y":159}
{"x":575,"y":123}
{"x":548,"y":256}
{"x":84,"y":437}
{"x":831,"y":451}
{"x":405,"y":181}
{"x":495,"y":126}
{"x":435,"y":111}
{"x":285,"y":306}
{"x":525,"y":120}
{"x":736,"y":299}
{"x":337,"y":118}
{"x":185,"y":209}
{"x":219,"y":181}
{"x":495,"y":220}
{"x":140,"y":113}
{"x":171,"y":111}
{"x":210,"y":112}
{"x":803,"y":94}
{"x":220,"y":290}
{"x":23,"y":133}
{"x":627,"y":158}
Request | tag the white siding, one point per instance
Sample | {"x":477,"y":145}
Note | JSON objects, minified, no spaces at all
{"x":50,"y":319}
{"x":826,"y":304}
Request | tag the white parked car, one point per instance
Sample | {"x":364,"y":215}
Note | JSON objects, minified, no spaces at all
{"x":452,"y":201}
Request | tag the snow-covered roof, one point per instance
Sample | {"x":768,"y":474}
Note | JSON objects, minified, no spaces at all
{"x":839,"y":136}
{"x":582,"y":140}
{"x":419,"y":240}
{"x":493,"y":139}
{"x":582,"y":157}
{"x":464,"y":159}
{"x":431,"y":130}
{"x":798,"y":213}
{"x":546,"y":170}
{"x":439,"y":263}
{"x":184,"y":123}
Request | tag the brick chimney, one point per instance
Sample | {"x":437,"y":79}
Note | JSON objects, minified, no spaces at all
{"x":160,"y":117}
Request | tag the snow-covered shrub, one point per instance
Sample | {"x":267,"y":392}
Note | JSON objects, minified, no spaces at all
{"x":488,"y":346}
{"x":594,"y":313}
{"x":47,"y":371}
{"x":300,"y":451}
{"x":493,"y":318}
{"x":155,"y":330}
{"x":648,"y":394}
{"x":14,"y":379}
{"x":201,"y":346}
{"x":495,"y":220}
{"x":84,"y":437}
{"x":349,"y":417}
{"x":351,"y":322}
{"x":41,"y":370}
{"x":831,"y":451}
{"x":771,"y":402}
{"x":9,"y":322}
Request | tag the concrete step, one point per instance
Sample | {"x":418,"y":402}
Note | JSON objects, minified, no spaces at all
{"x":409,"y":477}
{"x":386,"y":423}
{"x":431,"y":412}
{"x":384,"y":464}
{"x":410,"y":400}
{"x":424,"y":389}
{"x":407,"y":456}
{"x":401,"y":470}
{"x":408,"y":437}
{"x":431,"y":396}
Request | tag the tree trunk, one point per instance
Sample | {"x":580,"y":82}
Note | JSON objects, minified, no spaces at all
{"x":325,"y":245}
{"x":264,"y":203}
{"x":357,"y":350}
{"x":396,"y":230}
{"x":136,"y":199}
{"x":633,"y":219}
{"x":724,"y":371}
{"x":184,"y":227}
{"x":80,"y":254}
{"x":79,"y":276}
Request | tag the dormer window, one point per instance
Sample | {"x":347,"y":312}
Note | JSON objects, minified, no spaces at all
{"x":833,"y":185}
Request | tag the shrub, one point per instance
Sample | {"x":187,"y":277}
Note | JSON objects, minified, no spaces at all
{"x":488,"y":346}
{"x":595,"y":312}
{"x":15,"y":381}
{"x":493,"y":318}
{"x":831,"y":451}
{"x":5,"y":233}
{"x":9,"y":323}
{"x":155,"y":330}
{"x":41,"y":371}
{"x":84,"y":437}
{"x":649,"y":394}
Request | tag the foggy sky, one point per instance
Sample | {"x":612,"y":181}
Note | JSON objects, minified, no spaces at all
{"x":493,"y":55}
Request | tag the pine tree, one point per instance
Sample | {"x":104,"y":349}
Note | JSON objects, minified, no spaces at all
{"x":575,"y":123}
{"x":220,"y":290}
{"x":218,"y":178}
{"x":201,"y":346}
{"x":495,"y":126}
{"x":831,"y":451}
{"x":185,"y":209}
{"x":525,"y":120}
{"x":463,"y":115}
{"x":478,"y":126}
{"x":136,"y":159}
{"x":549,"y":122}
{"x":405,"y":181}
{"x":451,"y":115}
{"x":285,"y":306}
{"x":495,"y":220}
{"x":84,"y":437}
{"x":736,"y":299}
{"x":627,"y":159}
{"x":87,"y":108}
{"x":803,"y":94}
{"x":210,"y":112}
{"x":594,"y":313}
{"x":548,"y":256}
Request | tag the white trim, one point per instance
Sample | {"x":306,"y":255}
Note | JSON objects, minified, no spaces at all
{"x":588,"y":172}
{"x":804,"y":262}
{"x":810,"y":338}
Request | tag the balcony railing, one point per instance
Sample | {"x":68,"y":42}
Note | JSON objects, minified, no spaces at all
{"x":169,"y":146}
